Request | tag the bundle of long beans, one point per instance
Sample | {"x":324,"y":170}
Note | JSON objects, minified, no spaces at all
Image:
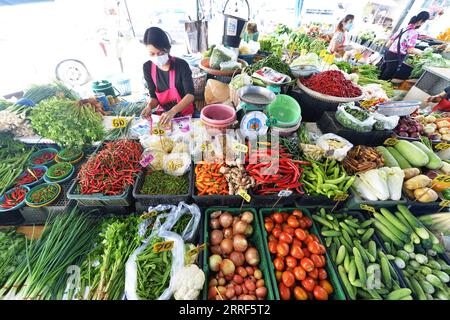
{"x":64,"y":242}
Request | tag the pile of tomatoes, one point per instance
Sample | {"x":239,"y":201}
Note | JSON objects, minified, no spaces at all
{"x":298,"y":257}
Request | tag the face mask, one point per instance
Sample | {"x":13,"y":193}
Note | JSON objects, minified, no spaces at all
{"x":349,"y":26}
{"x":160,"y":60}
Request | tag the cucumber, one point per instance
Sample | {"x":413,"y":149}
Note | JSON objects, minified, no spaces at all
{"x":361,"y":231}
{"x":362,"y":251}
{"x":322,"y":221}
{"x":351,"y":223}
{"x":347,"y":263}
{"x":442,"y":295}
{"x":397,"y":232}
{"x":433,"y":264}
{"x":364,"y":294}
{"x":399,"y":294}
{"x":328,"y":241}
{"x":342,"y":253}
{"x":388,"y":234}
{"x":399,"y":216}
{"x":427,"y":287}
{"x":414,"y":155}
{"x":414,"y":264}
{"x":413,"y":222}
{"x":406,"y":298}
{"x":331,"y":233}
{"x":434,"y":162}
{"x":441,"y":275}
{"x":397,"y":223}
{"x":367,"y":223}
{"x":348,"y":229}
{"x":349,"y":288}
{"x":352,"y":271}
{"x":360,"y":267}
{"x":402,"y":162}
{"x":435,"y":281}
{"x":386,"y":272}
{"x":420,"y":258}
{"x":403,"y":254}
{"x":389,"y":160}
{"x":417,"y":289}
{"x":333,"y":251}
{"x":372,"y":248}
{"x":400,"y":263}
{"x":367,"y":235}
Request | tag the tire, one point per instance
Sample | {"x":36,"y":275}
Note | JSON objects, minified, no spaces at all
{"x":72,"y":72}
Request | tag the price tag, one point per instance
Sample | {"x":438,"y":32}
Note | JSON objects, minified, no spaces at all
{"x":323,"y":53}
{"x":330,"y":59}
{"x":244,"y":195}
{"x":163,"y":246}
{"x":303,"y":52}
{"x":340,"y":197}
{"x":150,"y":214}
{"x":368,"y":208}
{"x":119,"y":122}
{"x":443,"y":178}
{"x":158,"y":132}
{"x":444,"y":203}
{"x":285,"y":193}
{"x":442,"y":146}
{"x":239,"y":147}
{"x":203,"y":147}
{"x":196,"y":250}
{"x":390,"y":142}
{"x":358,"y":56}
{"x":146,"y":160}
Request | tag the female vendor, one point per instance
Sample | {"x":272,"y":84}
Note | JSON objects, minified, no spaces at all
{"x":442,"y":100}
{"x":169,"y":79}
{"x":337,"y":43}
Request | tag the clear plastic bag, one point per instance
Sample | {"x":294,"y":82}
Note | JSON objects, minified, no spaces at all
{"x":349,"y":121}
{"x":221,"y":54}
{"x":216,"y":92}
{"x":177,"y":164}
{"x":385,"y":123}
{"x":335,"y":147}
{"x":131,"y":272}
{"x":190,"y":231}
{"x":230,"y":65}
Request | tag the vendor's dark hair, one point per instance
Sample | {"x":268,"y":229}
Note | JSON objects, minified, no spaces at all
{"x":422,"y":16}
{"x":252,"y":27}
{"x":347,"y":18}
{"x":157,"y":38}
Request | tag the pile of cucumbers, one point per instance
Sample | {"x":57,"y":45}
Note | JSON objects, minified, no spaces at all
{"x":364,"y":269}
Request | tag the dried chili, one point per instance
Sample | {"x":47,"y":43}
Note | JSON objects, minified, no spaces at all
{"x":332,"y":83}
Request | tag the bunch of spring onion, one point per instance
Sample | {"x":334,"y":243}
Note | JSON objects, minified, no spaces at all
{"x":437,"y":222}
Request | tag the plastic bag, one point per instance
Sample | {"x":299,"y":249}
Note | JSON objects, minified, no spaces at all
{"x":177,"y":164}
{"x":190,"y":231}
{"x":181,"y":125}
{"x":131,"y":273}
{"x":241,"y":80}
{"x":216,"y":92}
{"x":385,"y":123}
{"x":230,"y":65}
{"x":335,"y":147}
{"x":349,"y":121}
{"x":221,"y":54}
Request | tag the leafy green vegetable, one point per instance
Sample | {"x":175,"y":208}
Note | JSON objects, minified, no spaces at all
{"x":344,"y":66}
{"x":428,"y":58}
{"x":66,"y":122}
{"x":12,"y":252}
{"x":38,"y":93}
{"x":273,"y":62}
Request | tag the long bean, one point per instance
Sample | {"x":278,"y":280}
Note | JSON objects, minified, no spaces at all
{"x":160,"y":183}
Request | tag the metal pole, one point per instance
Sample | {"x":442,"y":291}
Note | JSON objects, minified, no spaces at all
{"x":129,"y":18}
{"x":403,"y":15}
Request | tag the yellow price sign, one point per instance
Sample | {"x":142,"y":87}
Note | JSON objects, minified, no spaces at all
{"x":444,"y":203}
{"x":323,"y":53}
{"x":330,"y":59}
{"x":358,"y":56}
{"x":442,"y":146}
{"x":340,"y":197}
{"x":239,"y":147}
{"x":443,"y":178}
{"x":390,"y":142}
{"x":196,"y":250}
{"x":203,"y":147}
{"x":244,"y":195}
{"x":367,"y":208}
{"x":119,"y":122}
{"x":158,"y":132}
{"x":163,"y":246}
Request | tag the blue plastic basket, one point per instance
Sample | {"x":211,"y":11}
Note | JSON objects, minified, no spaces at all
{"x":32,"y":184}
{"x":124,"y":87}
{"x":21,"y":204}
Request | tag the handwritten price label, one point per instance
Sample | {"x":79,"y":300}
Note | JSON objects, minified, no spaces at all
{"x":390,"y":142}
{"x":442,"y":146}
{"x":119,"y":122}
{"x":203,"y":147}
{"x":150,"y":214}
{"x":196,"y":250}
{"x":444,"y":203}
{"x":239,"y":147}
{"x":158,"y":132}
{"x":358,"y":56}
{"x":285,"y":193}
{"x":341,"y":197}
{"x":146,"y":160}
{"x":244,"y":195}
{"x":443,"y":178}
{"x":163,"y":246}
{"x":368,"y":208}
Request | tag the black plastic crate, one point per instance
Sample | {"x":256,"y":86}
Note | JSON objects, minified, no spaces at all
{"x":264,"y":201}
{"x":329,"y":124}
{"x":11,"y":218}
{"x":216,"y":200}
{"x":312,"y":109}
{"x":317,"y":201}
{"x":145,"y":200}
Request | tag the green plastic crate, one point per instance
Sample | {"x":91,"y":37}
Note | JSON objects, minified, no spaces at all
{"x":256,"y":240}
{"x":338,"y":293}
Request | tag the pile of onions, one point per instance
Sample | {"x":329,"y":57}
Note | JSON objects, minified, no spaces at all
{"x":233,"y":259}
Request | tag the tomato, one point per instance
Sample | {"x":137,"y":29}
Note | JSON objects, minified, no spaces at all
{"x":307,"y":264}
{"x":320,"y":293}
{"x":293,"y":222}
{"x":299,"y":273}
{"x":278,"y":275}
{"x":322,"y":274}
{"x":286,"y":237}
{"x":288,"y":279}
{"x":313,"y":247}
{"x":278,"y":264}
{"x":300,"y":234}
{"x":271,"y":238}
{"x":309,"y":238}
{"x":316,"y":259}
{"x":307,"y":221}
{"x":288,"y":229}
{"x":296,"y":251}
{"x":300,"y":293}
{"x":278,"y":217}
{"x":273,"y":246}
{"x":268,"y":225}
{"x":282,"y":248}
{"x":285,"y":293}
{"x":327,"y":286}
{"x":285,"y":215}
{"x":291,"y":262}
{"x":276,"y":232}
{"x":306,"y":252}
{"x":302,"y":223}
{"x":297,"y":242}
{"x":308,"y":284}
{"x":324,"y":260}
{"x":297,"y":213}
{"x":314,"y":274}
{"x":322,"y":249}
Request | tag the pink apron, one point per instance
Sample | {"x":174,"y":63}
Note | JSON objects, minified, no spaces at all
{"x":170,"y":97}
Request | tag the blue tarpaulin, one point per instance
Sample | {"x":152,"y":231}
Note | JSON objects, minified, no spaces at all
{"x":14,"y":2}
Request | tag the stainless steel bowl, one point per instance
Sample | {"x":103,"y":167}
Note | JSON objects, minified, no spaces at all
{"x":257,"y":96}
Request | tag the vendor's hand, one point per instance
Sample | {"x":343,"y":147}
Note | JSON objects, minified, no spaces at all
{"x":166,"y":117}
{"x":146,"y":112}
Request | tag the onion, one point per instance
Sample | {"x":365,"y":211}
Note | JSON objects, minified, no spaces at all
{"x":215,"y":214}
{"x":212,"y":293}
{"x":261,"y":292}
{"x":249,"y":270}
{"x":216,"y":250}
{"x":230,"y":293}
{"x":258,"y":274}
{"x":237,"y":258}
{"x":250,"y":285}
{"x":238,"y":290}
{"x":248,"y":231}
{"x":222,"y":290}
{"x":238,"y":279}
{"x":240,"y":243}
{"x":227,"y":267}
{"x":252,"y":256}
{"x":239,"y":227}
{"x":228,"y":232}
{"x":216,"y":237}
{"x":229,"y":277}
{"x":260,"y":283}
{"x":226,"y":219}
{"x":221,"y":281}
{"x":214,"y":262}
{"x":242,"y":272}
{"x":214,"y":224}
{"x":226,"y":246}
{"x":213,"y":282}
{"x":247,"y":216}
